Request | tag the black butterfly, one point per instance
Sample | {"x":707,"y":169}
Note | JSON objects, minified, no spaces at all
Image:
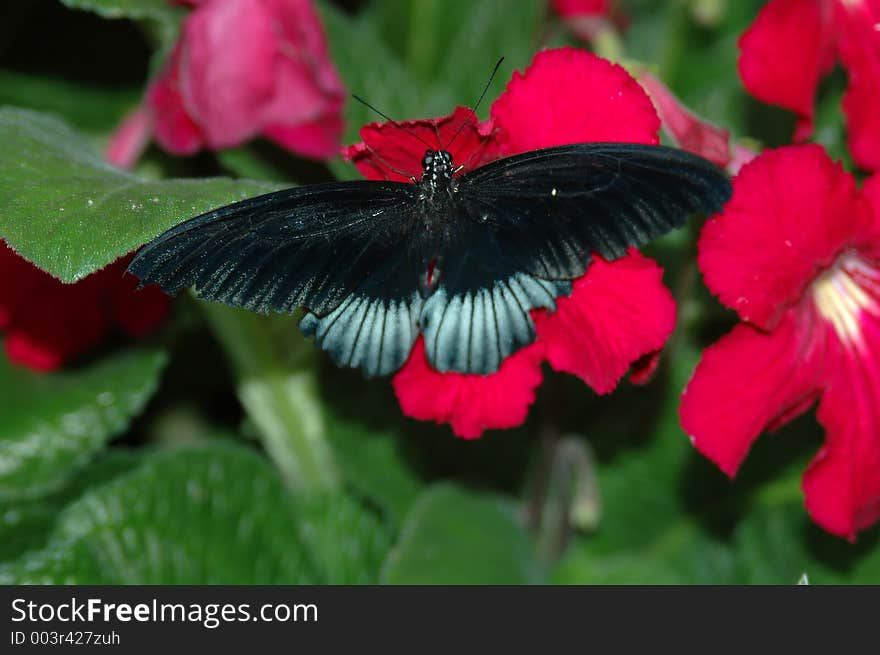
{"x":460,"y":259}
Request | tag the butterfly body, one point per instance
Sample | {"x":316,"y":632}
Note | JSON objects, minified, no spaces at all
{"x":461,"y":260}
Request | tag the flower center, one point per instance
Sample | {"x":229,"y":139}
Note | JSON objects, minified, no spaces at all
{"x":846,"y":291}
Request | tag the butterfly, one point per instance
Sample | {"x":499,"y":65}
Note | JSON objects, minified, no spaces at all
{"x":461,"y":260}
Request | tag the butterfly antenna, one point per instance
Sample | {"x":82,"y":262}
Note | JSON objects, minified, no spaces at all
{"x":388,"y":118}
{"x":473,"y":113}
{"x":391,"y":168}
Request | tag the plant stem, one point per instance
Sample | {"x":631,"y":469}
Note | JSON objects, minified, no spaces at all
{"x":277,"y":388}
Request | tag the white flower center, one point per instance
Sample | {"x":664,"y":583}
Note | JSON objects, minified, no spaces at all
{"x":845,"y":293}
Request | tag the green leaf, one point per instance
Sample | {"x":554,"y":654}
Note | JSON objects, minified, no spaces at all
{"x":426,"y":76}
{"x":346,"y":541}
{"x":92,"y":108}
{"x":26,"y":524}
{"x":492,"y":29}
{"x":53,"y":424}
{"x":162,"y":13}
{"x":776,"y":543}
{"x":446,"y":41}
{"x":134,"y":9}
{"x":381,"y":78}
{"x":217,"y":515}
{"x":70,"y":213}
{"x":373,"y":465}
{"x":453,"y":536}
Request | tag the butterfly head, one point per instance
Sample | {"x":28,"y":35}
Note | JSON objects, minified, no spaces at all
{"x":437,"y":168}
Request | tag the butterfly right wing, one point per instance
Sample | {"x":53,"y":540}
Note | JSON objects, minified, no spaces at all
{"x":348,"y":252}
{"x":526,"y":225}
{"x":553,"y":208}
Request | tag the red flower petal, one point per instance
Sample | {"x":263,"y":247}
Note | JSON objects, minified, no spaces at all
{"x":860,"y":104}
{"x":318,"y":139}
{"x":54,"y":325}
{"x":842,"y":484}
{"x":643,"y":369}
{"x":18,"y":280}
{"x":784,"y":53}
{"x":745,"y":383}
{"x":304,"y":114}
{"x":741,"y":156}
{"x":470,"y":403}
{"x":617,"y":312}
{"x":860,"y":52}
{"x":137,"y":311}
{"x":871,"y":192}
{"x":687,"y":129}
{"x":581,"y":7}
{"x":394,"y":151}
{"x":793,"y":210}
{"x":572,"y":96}
{"x":586,"y":18}
{"x":175,"y":130}
{"x":228,"y":69}
{"x":130,"y":139}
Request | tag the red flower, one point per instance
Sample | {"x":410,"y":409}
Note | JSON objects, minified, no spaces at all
{"x":586,"y":18}
{"x":796,"y":252}
{"x":617,"y":312}
{"x":776,"y":67}
{"x":686,"y":129}
{"x":243,"y":68}
{"x":47,"y":322}
{"x":581,"y":7}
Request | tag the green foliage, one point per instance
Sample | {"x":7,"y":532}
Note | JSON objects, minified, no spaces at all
{"x":338,"y":488}
{"x":669,"y":517}
{"x":25,"y":524}
{"x":164,"y":16}
{"x":87,"y":107}
{"x":134,"y":9}
{"x":217,"y":515}
{"x":373,"y":465}
{"x":427,"y":57}
{"x":452,"y":536}
{"x":54,"y":424}
{"x":86,"y":212}
{"x":347,"y":543}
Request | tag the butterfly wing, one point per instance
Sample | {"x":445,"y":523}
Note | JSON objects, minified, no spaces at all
{"x":528,"y":224}
{"x":477,"y":313}
{"x":348,"y":252}
{"x":553,"y":208}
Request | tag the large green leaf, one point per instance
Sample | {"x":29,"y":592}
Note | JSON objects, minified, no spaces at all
{"x":52,"y":424}
{"x":25,"y":524}
{"x":162,"y":13}
{"x":135,"y":9}
{"x":347,"y":543}
{"x":453,"y":536}
{"x":70,"y":213}
{"x":86,"y":106}
{"x":373,"y":465}
{"x":217,"y":515}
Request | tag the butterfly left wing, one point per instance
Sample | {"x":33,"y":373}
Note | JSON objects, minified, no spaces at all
{"x":528,"y":224}
{"x":347,"y":252}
